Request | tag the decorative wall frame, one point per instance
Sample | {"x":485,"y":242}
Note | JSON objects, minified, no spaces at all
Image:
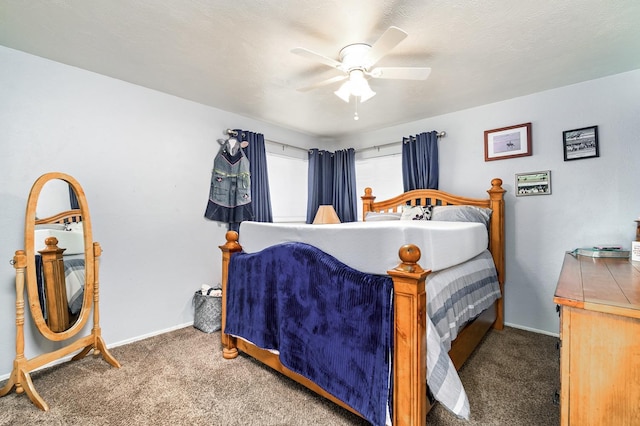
{"x":507,"y":142}
{"x":580,"y":143}
{"x":533,"y":183}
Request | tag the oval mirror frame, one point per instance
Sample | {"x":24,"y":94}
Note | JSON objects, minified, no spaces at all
{"x":89,"y":258}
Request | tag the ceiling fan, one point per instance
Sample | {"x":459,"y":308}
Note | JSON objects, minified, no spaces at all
{"x":356,"y":63}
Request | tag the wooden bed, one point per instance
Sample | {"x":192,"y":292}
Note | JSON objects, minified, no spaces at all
{"x":410,"y":403}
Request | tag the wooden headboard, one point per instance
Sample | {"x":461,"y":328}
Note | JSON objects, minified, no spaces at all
{"x":68,"y":216}
{"x":423,"y":197}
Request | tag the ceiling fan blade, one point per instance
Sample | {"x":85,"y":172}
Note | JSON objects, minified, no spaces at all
{"x":401,"y":73}
{"x":306,"y":53}
{"x":389,"y":39}
{"x":322,"y":83}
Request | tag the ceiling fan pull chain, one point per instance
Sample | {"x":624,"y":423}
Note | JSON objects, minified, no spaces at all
{"x":355,"y":116}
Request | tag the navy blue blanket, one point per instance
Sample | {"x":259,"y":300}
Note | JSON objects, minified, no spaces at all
{"x":329,"y":322}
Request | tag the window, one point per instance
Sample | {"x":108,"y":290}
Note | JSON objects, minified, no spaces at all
{"x":288,"y":187}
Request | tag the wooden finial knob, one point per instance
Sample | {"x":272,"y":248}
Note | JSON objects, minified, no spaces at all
{"x":409,"y":253}
{"x":51,"y":242}
{"x":231,"y":236}
{"x":232,"y":245}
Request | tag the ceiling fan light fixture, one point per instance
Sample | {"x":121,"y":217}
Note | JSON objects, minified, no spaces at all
{"x":360,"y":85}
{"x":344,"y":92}
{"x":367,"y":94}
{"x":356,"y":86}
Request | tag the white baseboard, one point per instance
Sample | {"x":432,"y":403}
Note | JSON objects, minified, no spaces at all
{"x":533,"y":330}
{"x":146,"y":336}
{"x":112,"y":345}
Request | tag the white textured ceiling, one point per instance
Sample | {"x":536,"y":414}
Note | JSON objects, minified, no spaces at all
{"x":235,"y":55}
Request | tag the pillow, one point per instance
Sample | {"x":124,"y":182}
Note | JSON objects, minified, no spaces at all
{"x":376,"y":216}
{"x":417,"y":213}
{"x":74,"y":226}
{"x":462,"y":214}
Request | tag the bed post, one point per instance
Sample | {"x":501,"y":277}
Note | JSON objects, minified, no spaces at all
{"x":229,"y":349}
{"x":367,"y":201}
{"x":410,"y":339}
{"x":55,"y":295}
{"x":496,"y":243}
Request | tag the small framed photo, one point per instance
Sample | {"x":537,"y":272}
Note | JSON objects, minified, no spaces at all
{"x":533,"y":183}
{"x":507,"y":142}
{"x":580,"y":143}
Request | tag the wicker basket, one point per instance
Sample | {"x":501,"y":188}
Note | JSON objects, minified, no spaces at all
{"x":207,"y":312}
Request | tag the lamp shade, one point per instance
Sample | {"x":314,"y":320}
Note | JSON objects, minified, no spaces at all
{"x":326,"y":214}
{"x":344,"y":92}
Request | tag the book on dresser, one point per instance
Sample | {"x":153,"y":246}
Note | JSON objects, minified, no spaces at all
{"x":602,"y":250}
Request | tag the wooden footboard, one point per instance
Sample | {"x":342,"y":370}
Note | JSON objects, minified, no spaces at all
{"x":410,"y":404}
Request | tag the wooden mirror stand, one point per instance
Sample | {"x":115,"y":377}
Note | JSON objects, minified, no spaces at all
{"x":57,"y":326}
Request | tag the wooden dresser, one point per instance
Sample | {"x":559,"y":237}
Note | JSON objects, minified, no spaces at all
{"x":599,"y":300}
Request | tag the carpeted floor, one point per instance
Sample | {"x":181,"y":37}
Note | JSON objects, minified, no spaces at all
{"x":180,"y":378}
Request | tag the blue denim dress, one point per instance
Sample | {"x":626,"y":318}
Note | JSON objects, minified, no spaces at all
{"x":230,"y":193}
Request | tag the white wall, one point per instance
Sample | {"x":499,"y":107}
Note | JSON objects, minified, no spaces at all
{"x":593,"y":200}
{"x":144,"y":159}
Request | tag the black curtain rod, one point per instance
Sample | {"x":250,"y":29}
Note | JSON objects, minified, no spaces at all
{"x":284,"y":145}
{"x":439,"y":135}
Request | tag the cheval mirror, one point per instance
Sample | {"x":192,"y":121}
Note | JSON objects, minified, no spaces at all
{"x":59,"y":264}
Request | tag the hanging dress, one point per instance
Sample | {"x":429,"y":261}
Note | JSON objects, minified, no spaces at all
{"x":230,"y":193}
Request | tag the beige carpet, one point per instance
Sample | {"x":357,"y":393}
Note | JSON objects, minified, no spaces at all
{"x":180,"y":378}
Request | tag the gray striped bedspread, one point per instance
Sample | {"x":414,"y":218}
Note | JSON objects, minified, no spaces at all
{"x":454,"y":297}
{"x":74,"y":279}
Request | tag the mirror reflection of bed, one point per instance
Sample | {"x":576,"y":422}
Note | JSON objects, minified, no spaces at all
{"x":60,"y":268}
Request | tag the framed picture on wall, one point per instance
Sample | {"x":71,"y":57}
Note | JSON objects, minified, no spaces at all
{"x":580,"y":143}
{"x":533,"y":183}
{"x":507,"y":142}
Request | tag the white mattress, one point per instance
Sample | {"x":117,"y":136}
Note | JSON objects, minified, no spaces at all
{"x":372,"y":247}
